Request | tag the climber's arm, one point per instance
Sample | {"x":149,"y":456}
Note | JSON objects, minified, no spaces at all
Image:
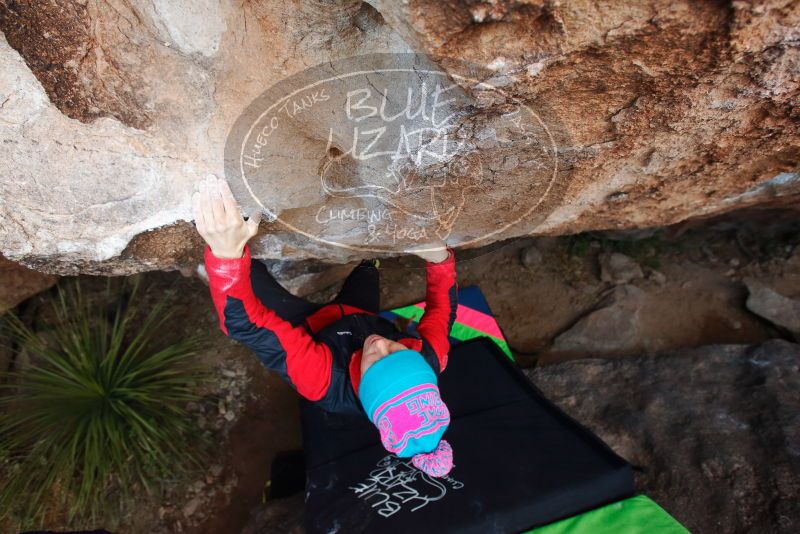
{"x":441,"y":296}
{"x":288,"y":350}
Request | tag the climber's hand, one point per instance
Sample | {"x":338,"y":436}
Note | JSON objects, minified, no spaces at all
{"x":219,"y":221}
{"x":433,"y":252}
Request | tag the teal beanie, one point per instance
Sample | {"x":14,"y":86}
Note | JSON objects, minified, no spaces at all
{"x":400,"y":394}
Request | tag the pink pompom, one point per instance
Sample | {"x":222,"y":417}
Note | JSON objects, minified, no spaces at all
{"x":437,"y":463}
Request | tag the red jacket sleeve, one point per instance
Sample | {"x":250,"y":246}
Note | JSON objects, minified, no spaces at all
{"x":441,"y":301}
{"x":289,"y":350}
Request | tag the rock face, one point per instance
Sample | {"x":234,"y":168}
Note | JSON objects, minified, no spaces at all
{"x":616,"y":327}
{"x":618,"y":268}
{"x":716,"y":429}
{"x":774,"y":307}
{"x":653,"y":112}
{"x":19,"y":283}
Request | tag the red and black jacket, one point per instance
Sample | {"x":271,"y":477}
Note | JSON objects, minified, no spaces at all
{"x":321,"y":358}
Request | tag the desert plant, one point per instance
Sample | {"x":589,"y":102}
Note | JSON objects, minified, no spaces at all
{"x":100,"y":411}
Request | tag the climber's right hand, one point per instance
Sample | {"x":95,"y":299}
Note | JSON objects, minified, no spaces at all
{"x":435,"y":251}
{"x":219,"y":220}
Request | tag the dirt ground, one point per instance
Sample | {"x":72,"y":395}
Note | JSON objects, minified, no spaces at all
{"x":691,"y":294}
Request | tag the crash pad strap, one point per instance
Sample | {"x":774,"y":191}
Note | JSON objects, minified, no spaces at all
{"x":636,"y":515}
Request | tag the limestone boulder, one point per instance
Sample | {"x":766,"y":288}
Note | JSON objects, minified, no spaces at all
{"x":646,"y":114}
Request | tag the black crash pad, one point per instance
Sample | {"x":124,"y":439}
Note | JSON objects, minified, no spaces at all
{"x":520,"y":462}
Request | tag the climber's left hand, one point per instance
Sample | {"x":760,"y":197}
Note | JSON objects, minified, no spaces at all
{"x":219,"y":220}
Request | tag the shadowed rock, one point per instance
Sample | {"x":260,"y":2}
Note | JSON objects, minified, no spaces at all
{"x":773,"y":306}
{"x":618,"y":268}
{"x":615,"y":327}
{"x":716,"y":429}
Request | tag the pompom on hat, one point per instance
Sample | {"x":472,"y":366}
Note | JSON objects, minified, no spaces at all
{"x":400,"y":394}
{"x":437,"y":463}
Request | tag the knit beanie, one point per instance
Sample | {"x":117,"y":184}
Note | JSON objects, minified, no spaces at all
{"x":400,"y":394}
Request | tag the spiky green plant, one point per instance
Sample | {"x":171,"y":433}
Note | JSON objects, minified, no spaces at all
{"x":99,"y":414}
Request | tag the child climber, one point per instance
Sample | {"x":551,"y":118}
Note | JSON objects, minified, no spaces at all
{"x":341,"y":355}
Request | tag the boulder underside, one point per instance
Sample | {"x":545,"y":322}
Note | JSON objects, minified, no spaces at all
{"x":651,"y":113}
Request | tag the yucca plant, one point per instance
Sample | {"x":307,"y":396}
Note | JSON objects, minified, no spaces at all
{"x":99,"y":413}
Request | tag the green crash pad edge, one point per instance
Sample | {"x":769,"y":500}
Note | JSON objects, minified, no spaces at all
{"x":460,"y":332}
{"x":636,"y":515}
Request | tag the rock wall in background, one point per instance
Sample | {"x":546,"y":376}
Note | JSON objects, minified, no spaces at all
{"x":714,"y":429}
{"x":111,"y":111}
